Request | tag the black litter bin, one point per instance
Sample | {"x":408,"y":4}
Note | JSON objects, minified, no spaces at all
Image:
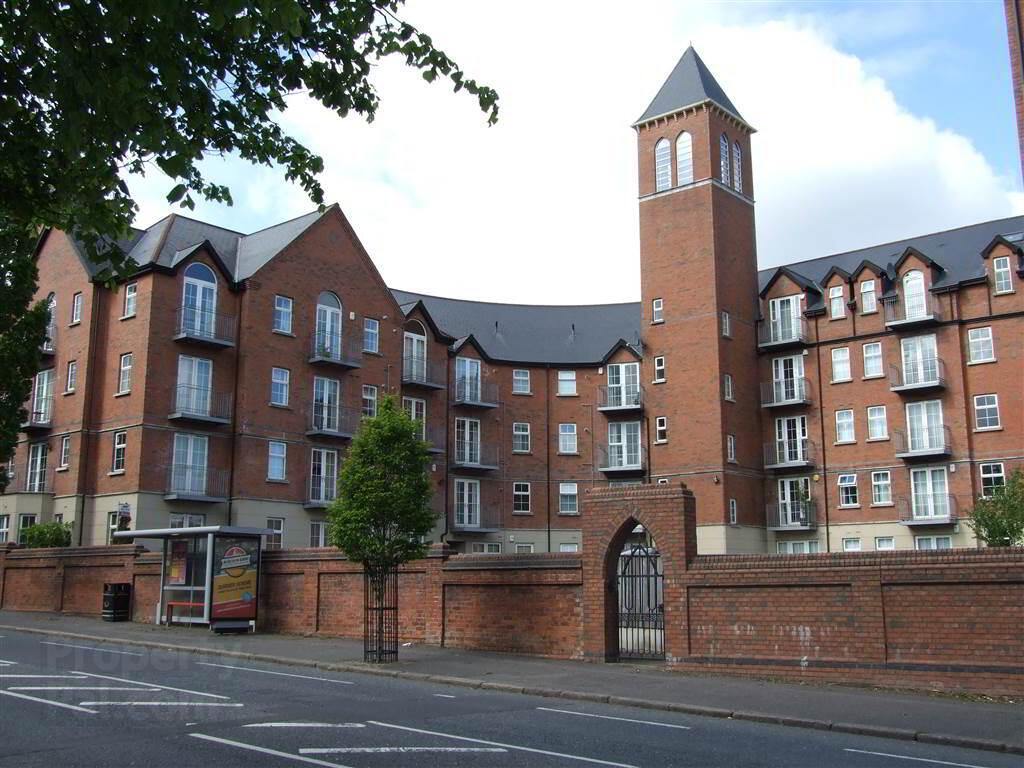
{"x":117,"y":600}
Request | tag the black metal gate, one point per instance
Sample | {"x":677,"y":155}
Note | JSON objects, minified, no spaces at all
{"x":641,"y":599}
{"x":380,"y":615}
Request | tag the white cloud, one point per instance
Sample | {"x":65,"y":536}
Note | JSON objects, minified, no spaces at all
{"x":542,"y":207}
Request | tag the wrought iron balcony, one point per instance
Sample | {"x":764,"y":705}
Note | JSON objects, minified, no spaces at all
{"x":473,"y":392}
{"x":320,"y":492}
{"x":917,"y":376}
{"x":785,"y":454}
{"x":420,"y":372}
{"x":924,"y":443}
{"x":777,"y":393}
{"x":26,"y":478}
{"x":333,"y":421}
{"x":201,"y":326}
{"x":794,"y":516}
{"x":476,"y":518}
{"x":776,"y":334}
{"x":469,"y":455}
{"x":620,"y":458}
{"x":196,"y":482}
{"x":900,"y":313}
{"x":927,"y":509}
{"x":40,"y":414}
{"x":336,"y":349}
{"x":619,"y":399}
{"x":201,"y":404}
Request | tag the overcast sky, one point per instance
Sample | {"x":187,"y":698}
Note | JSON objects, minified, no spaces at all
{"x":875,"y":122}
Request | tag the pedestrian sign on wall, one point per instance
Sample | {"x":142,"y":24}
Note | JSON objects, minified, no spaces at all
{"x":235,"y":580}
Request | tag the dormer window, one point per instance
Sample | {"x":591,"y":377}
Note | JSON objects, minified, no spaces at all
{"x":723,"y":148}
{"x":913,"y":295}
{"x":662,"y":165}
{"x":868,"y":298}
{"x":1002,"y":276}
{"x":684,"y":159}
{"x":737,"y":167}
{"x":836,"y":302}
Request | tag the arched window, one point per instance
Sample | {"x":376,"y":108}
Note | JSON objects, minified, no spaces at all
{"x":414,"y":352}
{"x":723,"y":146}
{"x":328,"y":326}
{"x":662,"y":165}
{"x":914,"y":304}
{"x":737,"y":167}
{"x":199,"y":301}
{"x":684,"y":159}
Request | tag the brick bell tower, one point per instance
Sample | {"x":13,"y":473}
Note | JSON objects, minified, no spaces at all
{"x":700,"y":305}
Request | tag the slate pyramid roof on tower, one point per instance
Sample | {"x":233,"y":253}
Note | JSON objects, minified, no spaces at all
{"x":691,"y":82}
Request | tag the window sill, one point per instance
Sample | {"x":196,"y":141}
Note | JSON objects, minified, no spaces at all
{"x":282,"y":333}
{"x":522,"y":453}
{"x":989,"y":429}
{"x":568,"y":453}
{"x":282,"y":407}
{"x":660,"y":442}
{"x":731,"y":461}
{"x":372,"y":352}
{"x":277,"y":481}
{"x":1004,"y":293}
{"x":122,"y":394}
{"x":115,"y":472}
{"x":658,"y":381}
{"x":569,"y":394}
{"x":67,"y":392}
{"x":877,"y":439}
{"x":840,"y":381}
{"x":872,"y":312}
{"x":835,"y":319}
{"x":62,"y":469}
{"x":72,"y":325}
{"x":845,"y":442}
{"x":523,"y":394}
{"x":981,"y":362}
{"x":657,"y":322}
{"x":874,"y":376}
{"x":568,"y":514}
{"x":126,"y":317}
{"x":522,"y":514}
{"x":884,"y":504}
{"x":848,"y":506}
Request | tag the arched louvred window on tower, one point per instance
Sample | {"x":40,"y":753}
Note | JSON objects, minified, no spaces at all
{"x":662,"y":165}
{"x":737,"y":167}
{"x":723,"y":146}
{"x":684,"y":159}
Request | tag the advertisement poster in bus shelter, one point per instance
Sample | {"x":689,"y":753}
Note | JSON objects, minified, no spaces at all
{"x":178,"y":562}
{"x":235,"y":563}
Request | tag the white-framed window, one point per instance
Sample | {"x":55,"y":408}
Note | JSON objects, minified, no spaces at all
{"x":848,"y":496}
{"x":723,"y":157}
{"x":933,"y":542}
{"x":369,"y":401}
{"x":486,"y":547}
{"x":323,"y":475}
{"x":567,"y":442}
{"x":195,"y":384}
{"x":569,"y":547}
{"x":131,"y":295}
{"x":844,"y":426}
{"x":42,"y":397}
{"x":732,"y":512}
{"x":868,"y":298}
{"x":980,"y":348}
{"x":684,"y":159}
{"x":416,"y":408}
{"x":524,"y":549}
{"x":185,"y":520}
{"x":280,"y":379}
{"x":467,"y":503}
{"x":468,"y":379}
{"x":878,"y":428}
{"x":726,"y":324}
{"x":851,"y":545}
{"x":520,"y":437}
{"x":1003,"y":276}
{"x":520,"y":381}
{"x":659,"y":368}
{"x":113,"y":525}
{"x":199,"y":301}
{"x":568,"y":499}
{"x":25,"y":522}
{"x":992,"y":478}
{"x":72,"y":378}
{"x":986,"y":411}
{"x":124,"y":378}
{"x":797,"y":547}
{"x":467,"y":441}
{"x":727,"y":386}
{"x":282,"y":314}
{"x":881,"y":487}
{"x":836,"y":302}
{"x":737,"y":167}
{"x":5,"y":528}
{"x":924,"y":423}
{"x":76,"y":308}
{"x":730,"y":447}
{"x":567,"y":382}
{"x":661,"y":429}
{"x":915,"y":304}
{"x":65,"y":452}
{"x":521,"y":498}
{"x":873,"y":366}
{"x":277,"y":460}
{"x":885,"y":543}
{"x":840,"y":364}
{"x":662,"y":165}
{"x":658,"y":311}
{"x":371,"y":335}
{"x":929,"y":497}
{"x":317,"y":533}
{"x":275,"y":540}
{"x":118,"y":456}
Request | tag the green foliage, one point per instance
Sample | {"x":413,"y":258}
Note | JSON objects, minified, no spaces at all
{"x":47,"y":535}
{"x":382,"y":511}
{"x":998,"y":521}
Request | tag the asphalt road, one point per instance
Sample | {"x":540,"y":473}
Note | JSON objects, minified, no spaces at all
{"x":76,"y":704}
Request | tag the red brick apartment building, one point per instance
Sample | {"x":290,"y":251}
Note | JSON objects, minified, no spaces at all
{"x":861,"y":400}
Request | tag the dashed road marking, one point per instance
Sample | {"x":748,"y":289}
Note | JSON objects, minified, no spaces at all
{"x":160,"y":704}
{"x":376,"y":750}
{"x":90,"y":648}
{"x":268,"y":672}
{"x":304,"y":725}
{"x":79,"y":688}
{"x":47,"y":701}
{"x":444,"y":695}
{"x":917,"y":759}
{"x":46,"y":677}
{"x":252,"y":747}
{"x":610,"y":717}
{"x":152,"y":685}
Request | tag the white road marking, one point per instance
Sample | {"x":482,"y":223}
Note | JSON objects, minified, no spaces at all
{"x":609,"y":717}
{"x":159,"y":704}
{"x":268,"y":672}
{"x":79,"y":688}
{"x":500,"y":744}
{"x":444,"y":695}
{"x":48,"y":677}
{"x":304,"y":725}
{"x":151,"y":685}
{"x":287,"y":755}
{"x":90,"y":648}
{"x":47,"y":701}
{"x":7,"y":661}
{"x":918,"y":759}
{"x":375,"y":750}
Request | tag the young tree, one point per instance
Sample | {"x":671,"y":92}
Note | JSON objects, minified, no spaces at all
{"x":382,"y":512}
{"x":998,"y":520}
{"x":46,"y":535}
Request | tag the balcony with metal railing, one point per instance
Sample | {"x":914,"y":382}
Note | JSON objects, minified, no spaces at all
{"x":474,"y":392}
{"x":201,"y":326}
{"x":28,"y":478}
{"x":788,"y":454}
{"x":792,"y":516}
{"x":927,"y":509}
{"x":619,"y":458}
{"x":196,"y":482}
{"x":49,"y":345}
{"x":918,"y":375}
{"x":469,"y":455}
{"x":924,"y":443}
{"x":900,"y":313}
{"x":336,"y":349}
{"x":333,"y":421}
{"x":321,"y":491}
{"x":620,"y":399}
{"x":476,"y":518}
{"x":420,"y":372}
{"x":775,"y":334}
{"x":434,"y":437}
{"x":782,"y":392}
{"x":40,"y":414}
{"x":201,"y":404}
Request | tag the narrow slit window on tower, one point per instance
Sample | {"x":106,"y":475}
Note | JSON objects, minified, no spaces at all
{"x":737,"y":167}
{"x":662,"y":165}
{"x":723,"y":145}
{"x":684,"y":159}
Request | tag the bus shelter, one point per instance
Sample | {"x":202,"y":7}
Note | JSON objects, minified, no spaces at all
{"x":208,"y":575}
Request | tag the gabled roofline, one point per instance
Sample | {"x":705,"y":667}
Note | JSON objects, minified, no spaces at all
{"x":465,"y":341}
{"x":620,"y":344}
{"x":870,"y":265}
{"x":796,"y":277}
{"x":912,"y":251}
{"x":214,"y":254}
{"x":1000,"y":240}
{"x":835,"y":270}
{"x":439,"y":335}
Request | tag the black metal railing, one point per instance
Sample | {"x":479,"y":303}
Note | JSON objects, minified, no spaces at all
{"x":925,"y":508}
{"x":196,"y":481}
{"x":49,"y":345}
{"x":321,"y":490}
{"x":339,"y":420}
{"x":785,"y":392}
{"x":619,"y":398}
{"x":927,"y":441}
{"x":204,"y":326}
{"x":476,"y":517}
{"x":380,"y":615}
{"x":40,"y":414}
{"x":898,"y":311}
{"x":776,"y":332}
{"x":918,"y":374}
{"x":469,"y":454}
{"x":469,"y":390}
{"x":29,"y":478}
{"x":620,"y":457}
{"x":202,"y":403}
{"x":641,"y":602}
{"x":792,"y":516}
{"x":336,"y":348}
{"x":788,"y":452}
{"x":419,"y":371}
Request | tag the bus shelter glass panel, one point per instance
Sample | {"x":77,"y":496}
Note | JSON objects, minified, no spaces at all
{"x":185,"y":575}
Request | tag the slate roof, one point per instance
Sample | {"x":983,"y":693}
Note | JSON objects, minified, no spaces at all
{"x":691,"y":82}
